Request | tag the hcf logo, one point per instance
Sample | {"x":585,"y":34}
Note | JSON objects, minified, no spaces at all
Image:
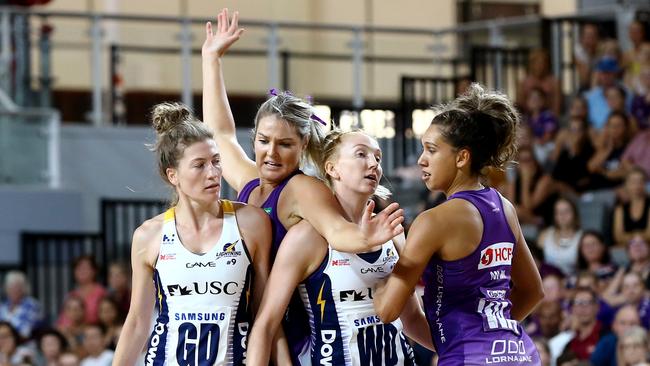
{"x":497,"y":254}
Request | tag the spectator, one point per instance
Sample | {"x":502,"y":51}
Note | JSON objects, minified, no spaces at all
{"x":11,"y":353}
{"x":88,"y":289}
{"x":607,"y":69}
{"x":616,"y":101}
{"x":593,"y":256}
{"x":540,"y":77}
{"x":72,"y":329}
{"x":585,"y":54}
{"x":554,"y":288}
{"x":605,"y":165}
{"x":585,"y":330}
{"x":546,"y":320}
{"x":605,"y":353}
{"x":51,"y":345}
{"x":119,"y":285}
{"x":641,"y":102}
{"x":638,"y":152}
{"x":21,"y":310}
{"x":632,"y":59}
{"x":560,"y":241}
{"x":628,"y":289}
{"x":95,"y":347}
{"x":579,"y":109}
{"x":573,"y":150}
{"x":542,"y":122}
{"x":633,"y":347}
{"x":632,"y":217}
{"x":112,"y":319}
{"x":521,"y":186}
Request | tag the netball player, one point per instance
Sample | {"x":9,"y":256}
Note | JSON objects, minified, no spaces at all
{"x":286,"y":132}
{"x":480,"y":278}
{"x":201,"y":254}
{"x":337,"y":287}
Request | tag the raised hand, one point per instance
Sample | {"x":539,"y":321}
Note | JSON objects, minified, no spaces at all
{"x":227,"y":33}
{"x":384,"y":226}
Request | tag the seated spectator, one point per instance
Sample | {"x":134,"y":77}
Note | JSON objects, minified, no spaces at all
{"x":632,"y":217}
{"x":605,"y":165}
{"x":119,"y":285}
{"x":632,"y":59}
{"x":541,"y":78}
{"x":605,"y":353}
{"x":579,"y":109}
{"x":585,"y":54}
{"x":11,"y":352}
{"x":607,"y":70}
{"x":69,"y":359}
{"x":616,"y":101}
{"x":560,"y":241}
{"x":641,"y":102}
{"x":112,"y":319}
{"x":521,"y":186}
{"x":633,"y":347}
{"x":585,"y":329}
{"x":87,"y":288}
{"x":95,"y":347}
{"x":637,"y":152}
{"x":554,"y":288}
{"x":21,"y":310}
{"x":573,"y":150}
{"x":546,"y":320}
{"x":51,"y":345}
{"x":593,"y":256}
{"x":542,"y":122}
{"x":628,"y":289}
{"x":72,"y":328}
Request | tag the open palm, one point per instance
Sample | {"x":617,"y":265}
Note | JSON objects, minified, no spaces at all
{"x":227,"y":33}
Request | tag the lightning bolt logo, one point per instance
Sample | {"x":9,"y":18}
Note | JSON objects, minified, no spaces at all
{"x":230,"y":246}
{"x":321,"y":302}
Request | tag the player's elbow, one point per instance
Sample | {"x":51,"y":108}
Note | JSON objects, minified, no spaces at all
{"x":385,"y":311}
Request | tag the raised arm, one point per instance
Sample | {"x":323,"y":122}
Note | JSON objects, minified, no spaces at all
{"x":527,"y":290}
{"x":237,"y":167}
{"x":137,"y":325}
{"x":325,"y":215}
{"x":300,"y":254}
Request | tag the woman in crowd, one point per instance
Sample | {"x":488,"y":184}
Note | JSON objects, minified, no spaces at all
{"x":593,"y":255}
{"x":632,"y":348}
{"x":632,"y":217}
{"x":51,"y":345}
{"x":112,"y":319}
{"x":560,"y":241}
{"x":74,"y":311}
{"x":88,"y":289}
{"x":605,"y":165}
{"x":11,"y":352}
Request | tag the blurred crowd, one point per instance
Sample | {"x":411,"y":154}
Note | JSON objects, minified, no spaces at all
{"x":86,"y":330}
{"x":591,"y":150}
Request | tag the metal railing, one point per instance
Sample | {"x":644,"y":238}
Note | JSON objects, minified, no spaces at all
{"x":47,"y":256}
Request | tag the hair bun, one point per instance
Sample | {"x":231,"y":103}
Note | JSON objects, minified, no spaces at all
{"x":166,"y":116}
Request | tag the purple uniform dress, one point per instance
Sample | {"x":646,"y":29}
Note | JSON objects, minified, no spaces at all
{"x":467,"y":300}
{"x":296,"y":321}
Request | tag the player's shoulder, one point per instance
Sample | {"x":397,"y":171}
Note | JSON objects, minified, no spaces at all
{"x":149,"y":229}
{"x":249,"y":216}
